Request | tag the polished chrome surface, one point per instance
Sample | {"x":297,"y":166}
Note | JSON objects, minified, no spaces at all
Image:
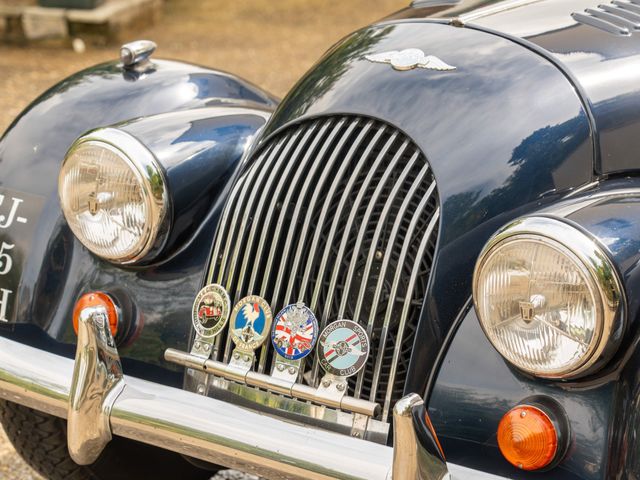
{"x":618,"y":17}
{"x":497,"y":7}
{"x":274,"y":384}
{"x":97,"y":381}
{"x":201,"y":427}
{"x":409,"y":59}
{"x":154,"y":183}
{"x":136,"y":54}
{"x":299,"y":226}
{"x":594,"y":259}
{"x":407,"y":302}
{"x":406,"y":448}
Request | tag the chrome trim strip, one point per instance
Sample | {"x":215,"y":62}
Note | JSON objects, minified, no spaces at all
{"x":314,"y":199}
{"x":247,"y":210}
{"x":374,"y":243}
{"x":218,"y":258}
{"x":491,"y":10}
{"x":294,"y":186}
{"x":285,"y":184}
{"x":385,"y":264}
{"x":298,"y":256}
{"x":365,"y":221}
{"x":325,"y":208}
{"x":344,"y":196}
{"x":237,"y":209}
{"x":261,"y":170}
{"x":242,"y":188}
{"x":296,"y":213}
{"x":290,"y":162}
{"x":405,"y":307}
{"x":273,"y":384}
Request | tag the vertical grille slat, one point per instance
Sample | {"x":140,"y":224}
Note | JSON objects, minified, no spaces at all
{"x":314,"y":201}
{"x":427,"y":239}
{"x":388,"y":251}
{"x":335,"y":270}
{"x":367,"y":215}
{"x":342,"y":214}
{"x":288,"y":170}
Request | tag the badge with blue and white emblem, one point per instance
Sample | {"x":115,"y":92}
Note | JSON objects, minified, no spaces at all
{"x":250,"y":323}
{"x":343,"y":348}
{"x":295,"y":331}
{"x":210,"y":310}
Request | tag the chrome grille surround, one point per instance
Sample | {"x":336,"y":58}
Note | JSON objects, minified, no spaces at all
{"x":321,"y":206}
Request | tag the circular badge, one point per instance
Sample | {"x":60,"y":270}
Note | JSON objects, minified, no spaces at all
{"x":210,"y":310}
{"x":250,"y":322}
{"x":343,"y":348}
{"x":295,"y":331}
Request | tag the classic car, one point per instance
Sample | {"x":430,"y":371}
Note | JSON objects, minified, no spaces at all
{"x":422,"y":263}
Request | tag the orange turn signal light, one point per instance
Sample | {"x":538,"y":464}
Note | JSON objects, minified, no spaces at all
{"x":95,"y":299}
{"x":528,"y":438}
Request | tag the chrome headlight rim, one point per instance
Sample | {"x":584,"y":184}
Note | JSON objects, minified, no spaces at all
{"x":601,"y":273}
{"x":152,"y":179}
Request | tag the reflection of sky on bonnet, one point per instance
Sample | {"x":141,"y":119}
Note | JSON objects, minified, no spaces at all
{"x":455,"y":123}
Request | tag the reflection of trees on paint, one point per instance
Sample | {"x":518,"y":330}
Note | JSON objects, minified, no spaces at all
{"x":534,"y":162}
{"x":325,"y":74}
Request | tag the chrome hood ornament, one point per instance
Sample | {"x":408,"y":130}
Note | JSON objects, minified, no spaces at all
{"x":409,"y":59}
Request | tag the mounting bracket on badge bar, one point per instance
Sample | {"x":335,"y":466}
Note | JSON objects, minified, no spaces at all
{"x":342,"y":351}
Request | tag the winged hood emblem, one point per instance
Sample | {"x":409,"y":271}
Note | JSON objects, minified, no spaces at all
{"x":409,"y":59}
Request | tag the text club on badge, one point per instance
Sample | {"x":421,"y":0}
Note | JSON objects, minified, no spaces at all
{"x":295,"y":331}
{"x":250,"y":322}
{"x":344,"y":347}
{"x":210,"y":310}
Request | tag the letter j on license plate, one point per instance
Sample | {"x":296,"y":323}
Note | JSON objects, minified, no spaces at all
{"x":19,"y":215}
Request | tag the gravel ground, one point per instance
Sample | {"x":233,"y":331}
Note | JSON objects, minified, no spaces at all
{"x":271,"y":43}
{"x":11,"y":465}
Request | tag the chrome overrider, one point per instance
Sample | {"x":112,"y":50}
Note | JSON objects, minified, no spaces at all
{"x":97,"y":382}
{"x":99,"y":401}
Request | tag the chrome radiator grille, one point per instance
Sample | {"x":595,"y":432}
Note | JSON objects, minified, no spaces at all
{"x":342,"y":214}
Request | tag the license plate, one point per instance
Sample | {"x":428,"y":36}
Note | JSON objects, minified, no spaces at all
{"x":19,"y":214}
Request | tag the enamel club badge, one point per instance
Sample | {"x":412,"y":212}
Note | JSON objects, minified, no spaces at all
{"x":210,"y":310}
{"x":343,"y":348}
{"x":250,"y":322}
{"x":295,"y":331}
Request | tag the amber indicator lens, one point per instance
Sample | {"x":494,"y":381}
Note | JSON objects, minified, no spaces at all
{"x":95,"y":299}
{"x":527,"y":438}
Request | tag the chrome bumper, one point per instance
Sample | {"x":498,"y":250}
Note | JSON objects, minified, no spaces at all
{"x":198,"y":426}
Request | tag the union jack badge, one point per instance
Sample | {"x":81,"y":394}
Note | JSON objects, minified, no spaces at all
{"x":343,"y":348}
{"x":250,"y":322}
{"x":295,"y":331}
{"x":210,"y":310}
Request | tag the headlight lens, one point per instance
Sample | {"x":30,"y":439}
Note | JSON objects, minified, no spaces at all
{"x":548,"y":308}
{"x":114,"y":202}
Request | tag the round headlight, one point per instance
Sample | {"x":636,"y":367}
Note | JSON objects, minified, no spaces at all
{"x":548,"y":297}
{"x":113,"y":195}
